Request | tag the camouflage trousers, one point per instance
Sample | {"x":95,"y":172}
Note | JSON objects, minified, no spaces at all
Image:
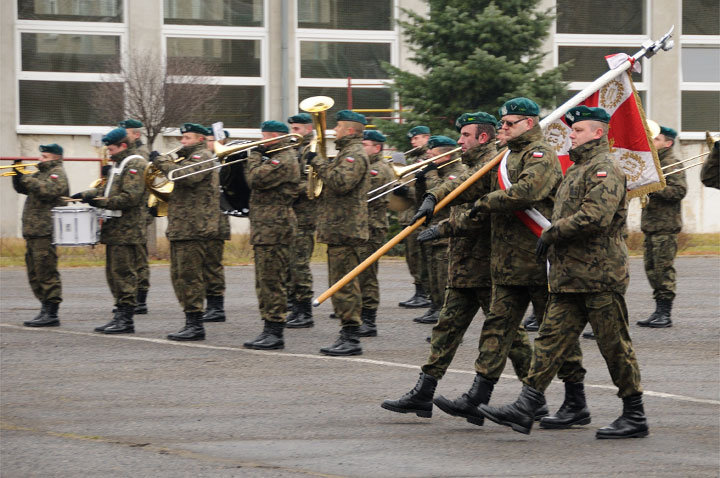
{"x":271,"y":265}
{"x":415,"y":258}
{"x":659,"y":255}
{"x":346,"y":302}
{"x":507,"y":308}
{"x":143,"y":269}
{"x":565,"y":318}
{"x":437,"y":269}
{"x":300,"y":288}
{"x":187,"y":261}
{"x":369,"y":287}
{"x":458,"y":311}
{"x":41,"y":260}
{"x":121,"y":271}
{"x":213,"y":270}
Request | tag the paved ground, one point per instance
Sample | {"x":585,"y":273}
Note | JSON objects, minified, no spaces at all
{"x":78,"y":403}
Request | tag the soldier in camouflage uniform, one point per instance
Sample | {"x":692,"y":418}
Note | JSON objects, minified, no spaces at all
{"x":588,"y":277}
{"x":710,"y":172}
{"x":44,"y":189}
{"x":661,"y":221}
{"x":343,"y":223}
{"x":124,"y":231}
{"x":469,"y":283}
{"x":380,"y":173}
{"x":300,"y":287}
{"x":193,"y":219}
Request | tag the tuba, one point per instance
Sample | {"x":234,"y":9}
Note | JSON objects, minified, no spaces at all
{"x":159,"y":185}
{"x":316,"y":106}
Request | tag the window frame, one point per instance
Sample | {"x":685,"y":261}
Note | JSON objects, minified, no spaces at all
{"x":690,"y":41}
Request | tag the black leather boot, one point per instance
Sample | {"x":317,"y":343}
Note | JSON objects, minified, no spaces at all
{"x":368,"y":327}
{"x":141,"y":300}
{"x":631,"y":424}
{"x":573,"y":411}
{"x":346,"y":344}
{"x":663,"y":318}
{"x":430,"y":317}
{"x":113,"y":321}
{"x":418,"y":300}
{"x":271,"y":338}
{"x":466,"y":406}
{"x":48,"y":316}
{"x":292,"y":314}
{"x":303,"y":318}
{"x":215,"y":311}
{"x":418,"y":400}
{"x":122,"y":323}
{"x":519,"y":415}
{"x":653,"y":316}
{"x":531,"y":324}
{"x":193,"y":329}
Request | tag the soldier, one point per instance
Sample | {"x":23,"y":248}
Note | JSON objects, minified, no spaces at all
{"x":419,"y":136}
{"x":124,"y":230}
{"x":661,"y":221}
{"x":710,"y":172}
{"x":193,"y":219}
{"x":273,"y":178}
{"x":343,"y":223}
{"x":300,"y":287}
{"x":468,"y":284}
{"x":44,"y":189}
{"x":588,"y":262}
{"x":380,"y":173}
{"x":134,"y":134}
{"x":530,"y":175}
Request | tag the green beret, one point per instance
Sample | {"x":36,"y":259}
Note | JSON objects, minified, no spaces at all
{"x":519,"y":106}
{"x":475,"y":118}
{"x":301,"y":118}
{"x":347,"y":115}
{"x":115,"y":136}
{"x":51,"y":148}
{"x":195,"y":128}
{"x":273,"y":126}
{"x":130,"y":123}
{"x":585,"y":113}
{"x":418,"y":130}
{"x":668,"y":132}
{"x":439,"y":141}
{"x":373,"y":135}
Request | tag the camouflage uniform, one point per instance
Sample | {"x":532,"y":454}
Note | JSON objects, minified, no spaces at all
{"x":343,"y":220}
{"x":710,"y":172}
{"x":588,"y":270}
{"x":143,"y":266}
{"x":214,"y":271}
{"x":273,"y":180}
{"x":44,"y":189}
{"x":414,"y":255}
{"x":661,"y":221}
{"x":193,"y":219}
{"x":380,"y":173}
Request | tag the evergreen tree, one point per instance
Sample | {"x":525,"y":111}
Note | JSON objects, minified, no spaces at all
{"x":476,"y":55}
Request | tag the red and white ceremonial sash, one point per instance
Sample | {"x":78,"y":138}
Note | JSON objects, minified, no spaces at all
{"x":532,"y":218}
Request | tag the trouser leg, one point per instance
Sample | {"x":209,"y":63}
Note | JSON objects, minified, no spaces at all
{"x":270,"y":286}
{"x":143,"y":269}
{"x":368,"y":278}
{"x":659,"y":259}
{"x":186,"y":272}
{"x":42,"y":268}
{"x":213,"y":269}
{"x":121,"y":272}
{"x":301,"y":279}
{"x":347,"y":302}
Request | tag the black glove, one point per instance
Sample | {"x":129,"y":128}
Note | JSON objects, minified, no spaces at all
{"x":262,"y":149}
{"x":402,"y":191}
{"x":541,"y":248}
{"x":420,"y":175}
{"x":153,"y":155}
{"x":426,"y":210}
{"x":105,"y":170}
{"x":77,"y":196}
{"x":429,"y":234}
{"x":93,"y":202}
{"x":477,"y":210}
{"x":310,"y":156}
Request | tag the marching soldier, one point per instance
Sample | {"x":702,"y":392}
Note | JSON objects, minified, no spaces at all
{"x":300,"y":287}
{"x":192,"y":220}
{"x":44,"y":190}
{"x":588,"y":262}
{"x":124,"y":231}
{"x":380,"y":173}
{"x":661,"y":221}
{"x":273,"y":178}
{"x":343,"y":223}
{"x":134,"y":134}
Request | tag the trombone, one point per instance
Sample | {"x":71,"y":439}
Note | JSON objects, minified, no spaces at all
{"x":18,"y":169}
{"x":404,"y":171}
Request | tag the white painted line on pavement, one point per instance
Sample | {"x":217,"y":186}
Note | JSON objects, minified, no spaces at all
{"x":322,"y":357}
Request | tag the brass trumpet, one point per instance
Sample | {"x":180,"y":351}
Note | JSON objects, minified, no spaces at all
{"x":403,"y":171}
{"x":160,"y":186}
{"x":18,"y":169}
{"x":317,"y":106}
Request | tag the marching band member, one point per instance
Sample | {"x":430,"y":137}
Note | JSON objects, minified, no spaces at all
{"x":134,"y":134}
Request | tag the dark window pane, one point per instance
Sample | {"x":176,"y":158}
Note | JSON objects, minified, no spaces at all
{"x":235,"y":106}
{"x":701,"y":64}
{"x":343,"y":59}
{"x":701,"y":110}
{"x":362,"y":98}
{"x":621,"y":17}
{"x":246,"y":13}
{"x":222,"y":57}
{"x":589,"y":61}
{"x":73,"y":11}
{"x":73,"y":53}
{"x":701,"y":17}
{"x":59,"y":103}
{"x":346,"y":14}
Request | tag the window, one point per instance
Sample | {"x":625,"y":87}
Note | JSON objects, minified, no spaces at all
{"x":71,"y":10}
{"x":366,"y":98}
{"x":70,"y":53}
{"x":589,"y":62}
{"x":343,"y":59}
{"x":247,"y":13}
{"x":225,"y":57}
{"x":346,"y":14}
{"x":59,"y":103}
{"x":701,"y":17}
{"x":587,"y":17}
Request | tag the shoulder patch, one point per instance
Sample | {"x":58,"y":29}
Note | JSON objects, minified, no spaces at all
{"x":274,"y":162}
{"x":350,"y":159}
{"x":196,"y":156}
{"x":602,"y":174}
{"x":451,"y":177}
{"x":54,"y":176}
{"x":373,"y":172}
{"x":133,"y":171}
{"x":538,"y":154}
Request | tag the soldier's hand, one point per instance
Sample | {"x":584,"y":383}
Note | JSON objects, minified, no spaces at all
{"x":76,"y":196}
{"x":420,"y":175}
{"x":479,"y":208}
{"x":541,"y":249}
{"x":310,"y":156}
{"x":94,"y":202}
{"x":426,"y":210}
{"x":105,"y":170}
{"x":429,"y":234}
{"x":153,"y":155}
{"x":402,"y":191}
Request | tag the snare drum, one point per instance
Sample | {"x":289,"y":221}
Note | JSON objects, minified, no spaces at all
{"x":76,"y":226}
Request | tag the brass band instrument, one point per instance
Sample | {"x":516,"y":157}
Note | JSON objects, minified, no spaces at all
{"x":159,"y":185}
{"x":100,"y":182}
{"x":18,"y":169}
{"x":316,"y":106}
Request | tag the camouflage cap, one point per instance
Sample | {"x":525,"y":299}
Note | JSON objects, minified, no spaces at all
{"x":439,"y":141}
{"x":51,"y":148}
{"x":373,"y":135}
{"x":519,"y":106}
{"x":347,"y":115}
{"x":273,"y":126}
{"x":130,"y":123}
{"x":301,"y":118}
{"x":586,"y":113}
{"x":668,"y":132}
{"x":479,"y":117}
{"x":115,"y":136}
{"x":195,"y":128}
{"x":418,"y":130}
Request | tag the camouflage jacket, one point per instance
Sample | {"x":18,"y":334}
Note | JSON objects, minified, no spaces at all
{"x":416,"y":156}
{"x":434,"y":179}
{"x":273,"y":181}
{"x":142,"y":149}
{"x":588,"y":252}
{"x":195,"y":200}
{"x":343,"y":211}
{"x":534,"y":172}
{"x":661,"y":214}
{"x":305,"y":208}
{"x":44,"y":190}
{"x":380,"y":173}
{"x":710,"y":172}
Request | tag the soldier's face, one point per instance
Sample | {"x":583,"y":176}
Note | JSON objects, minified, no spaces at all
{"x":660,"y":141}
{"x":584,"y":131}
{"x":133,"y":134}
{"x":371,"y":147}
{"x":513,"y":126}
{"x":467,"y":137}
{"x":48,"y":157}
{"x":342,"y":129}
{"x":210,"y":142}
{"x":419,"y":140}
{"x":270,"y":135}
{"x":191,"y":139}
{"x":114,"y":149}
{"x":301,"y":128}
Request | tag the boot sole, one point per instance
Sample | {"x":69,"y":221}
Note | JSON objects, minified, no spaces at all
{"x":641,"y":434}
{"x":514,"y":426}
{"x":111,"y":332}
{"x":183,"y":339}
{"x":420,"y":413}
{"x":334,"y":354}
{"x":303,"y":326}
{"x":560,"y":426}
{"x":214,"y":320}
{"x":414,"y":306}
{"x":664,"y":326}
{"x":51,"y":324}
{"x":368,"y":334}
{"x":479,"y":421}
{"x":254,"y":347}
